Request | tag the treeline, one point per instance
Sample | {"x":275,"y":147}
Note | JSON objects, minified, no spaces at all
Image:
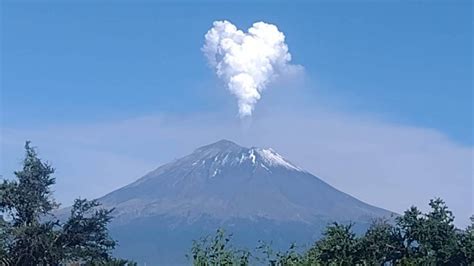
{"x":415,"y":238}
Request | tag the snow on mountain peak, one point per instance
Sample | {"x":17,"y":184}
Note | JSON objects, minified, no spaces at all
{"x":272,"y":158}
{"x":226,"y":153}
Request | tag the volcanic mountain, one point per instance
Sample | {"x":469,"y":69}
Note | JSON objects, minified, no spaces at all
{"x":254,"y":193}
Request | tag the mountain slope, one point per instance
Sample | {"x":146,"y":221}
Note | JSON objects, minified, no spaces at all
{"x":223,"y":184}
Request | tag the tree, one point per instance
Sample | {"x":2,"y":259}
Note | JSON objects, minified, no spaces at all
{"x":381,"y":243}
{"x":432,"y":238}
{"x":466,"y":244}
{"x":338,"y":246}
{"x":410,"y":225}
{"x":415,"y":239}
{"x":4,"y":233}
{"x":25,"y":201}
{"x":84,"y":236}
{"x":439,"y":239}
{"x":30,"y":234}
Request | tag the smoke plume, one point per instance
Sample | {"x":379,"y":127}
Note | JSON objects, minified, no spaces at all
{"x":246,"y":62}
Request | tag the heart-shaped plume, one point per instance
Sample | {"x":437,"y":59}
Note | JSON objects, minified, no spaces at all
{"x":247,"y":62}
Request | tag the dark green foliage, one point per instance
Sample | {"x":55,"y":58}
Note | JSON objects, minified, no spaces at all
{"x":381,"y":243}
{"x":4,"y":238}
{"x":431,"y":238}
{"x":29,"y":233}
{"x":438,"y":243}
{"x":414,"y":239}
{"x":84,"y":236}
{"x":30,"y":196}
{"x":24,"y":202}
{"x":410,"y":225}
{"x":338,"y":246}
{"x":466,"y":243}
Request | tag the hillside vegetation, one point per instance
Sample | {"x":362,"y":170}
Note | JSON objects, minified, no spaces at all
{"x":416,"y":238}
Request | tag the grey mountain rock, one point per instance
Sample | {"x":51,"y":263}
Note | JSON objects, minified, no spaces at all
{"x":253,"y":192}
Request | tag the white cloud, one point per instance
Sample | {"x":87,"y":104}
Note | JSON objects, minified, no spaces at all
{"x":247,"y":62}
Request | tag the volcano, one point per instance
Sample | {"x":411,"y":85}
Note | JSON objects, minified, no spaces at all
{"x":254,"y":193}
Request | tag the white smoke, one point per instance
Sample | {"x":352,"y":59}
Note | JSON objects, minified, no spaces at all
{"x":247,"y":62}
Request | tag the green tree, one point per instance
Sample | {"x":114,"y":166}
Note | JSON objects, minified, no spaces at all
{"x":415,"y":239}
{"x":30,"y":235}
{"x":410,"y":225}
{"x":381,"y":243}
{"x":466,"y":244}
{"x":25,"y":201}
{"x":84,"y":236}
{"x":337,"y":247}
{"x":439,"y":239}
{"x":4,"y":234}
{"x":432,"y":238}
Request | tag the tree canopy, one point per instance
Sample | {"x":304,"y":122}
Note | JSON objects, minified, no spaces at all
{"x":414,"y":238}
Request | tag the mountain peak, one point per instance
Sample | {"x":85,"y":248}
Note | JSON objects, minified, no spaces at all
{"x":225,"y":152}
{"x":220,"y":146}
{"x":225,"y":180}
{"x":223,"y":142}
{"x":223,"y":184}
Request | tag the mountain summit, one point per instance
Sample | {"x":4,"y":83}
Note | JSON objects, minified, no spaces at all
{"x":226,"y":185}
{"x":226,"y":153}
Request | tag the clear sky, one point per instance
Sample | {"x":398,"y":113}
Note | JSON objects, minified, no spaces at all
{"x":82,"y":65}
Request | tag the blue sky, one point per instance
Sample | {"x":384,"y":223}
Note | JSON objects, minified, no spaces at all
{"x":121,"y":88}
{"x":411,"y":63}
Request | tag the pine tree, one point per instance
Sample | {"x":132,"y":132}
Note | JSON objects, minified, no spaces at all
{"x":29,"y":232}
